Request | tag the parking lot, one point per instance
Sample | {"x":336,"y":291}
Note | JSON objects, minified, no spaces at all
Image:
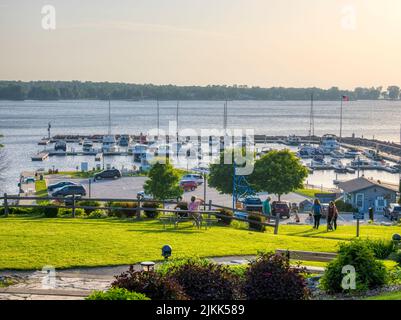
{"x":128,"y":187}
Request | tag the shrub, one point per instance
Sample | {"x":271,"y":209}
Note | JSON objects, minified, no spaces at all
{"x":152,"y":284}
{"x":381,"y":248}
{"x":116,"y":294}
{"x":50,"y":211}
{"x":21,"y":211}
{"x":88,"y":203}
{"x":370,"y":273}
{"x":345,"y":207}
{"x":150,"y":213}
{"x":270,"y":277}
{"x":256,"y":226}
{"x":226,"y":217}
{"x":129,"y":212}
{"x":67,"y":212}
{"x":205,"y":280}
{"x":98,"y":214}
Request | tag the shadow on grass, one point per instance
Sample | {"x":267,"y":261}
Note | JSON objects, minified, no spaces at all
{"x":312,"y":233}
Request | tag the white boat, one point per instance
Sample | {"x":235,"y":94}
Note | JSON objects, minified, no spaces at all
{"x":87,"y":143}
{"x":337,"y":154}
{"x":352,"y":154}
{"x":139,"y":151}
{"x":293,"y":140}
{"x":110,"y":149}
{"x":329,"y":144}
{"x":109,"y":144}
{"x":359,"y":163}
{"x":306,"y":151}
{"x":318,"y":164}
{"x":338,"y":166}
{"x":124,"y":140}
{"x":371,"y":154}
{"x":163,"y":150}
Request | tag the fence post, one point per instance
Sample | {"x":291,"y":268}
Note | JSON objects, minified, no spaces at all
{"x":5,"y":205}
{"x":277,"y":223}
{"x":357,"y":227}
{"x":73,"y":205}
{"x":138,"y":211}
{"x":209,"y":207}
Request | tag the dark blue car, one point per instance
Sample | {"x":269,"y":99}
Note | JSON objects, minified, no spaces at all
{"x":59,"y":185}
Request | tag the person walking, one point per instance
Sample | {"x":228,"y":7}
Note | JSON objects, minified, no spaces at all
{"x":294,"y":212}
{"x":267,"y":208}
{"x":317,"y":213}
{"x":332,"y":216}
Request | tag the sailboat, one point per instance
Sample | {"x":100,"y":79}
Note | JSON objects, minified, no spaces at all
{"x":307,"y":150}
{"x":109,"y":141}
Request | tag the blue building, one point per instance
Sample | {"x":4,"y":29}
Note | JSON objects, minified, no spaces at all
{"x":363,"y":193}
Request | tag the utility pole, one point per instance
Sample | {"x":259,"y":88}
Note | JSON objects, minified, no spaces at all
{"x":176,"y":118}
{"x":158,"y":119}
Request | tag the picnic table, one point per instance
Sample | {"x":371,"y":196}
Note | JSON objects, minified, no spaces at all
{"x":178,"y":217}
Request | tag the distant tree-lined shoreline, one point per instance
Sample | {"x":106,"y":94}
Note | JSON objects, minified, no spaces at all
{"x":76,"y":90}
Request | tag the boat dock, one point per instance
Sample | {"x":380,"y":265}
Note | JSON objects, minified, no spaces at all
{"x":40,"y":156}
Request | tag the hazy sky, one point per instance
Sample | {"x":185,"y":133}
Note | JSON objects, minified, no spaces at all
{"x":255,"y":42}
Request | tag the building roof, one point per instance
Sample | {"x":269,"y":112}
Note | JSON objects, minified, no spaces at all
{"x":362,"y":183}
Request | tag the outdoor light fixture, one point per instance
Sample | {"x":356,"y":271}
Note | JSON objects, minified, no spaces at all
{"x":148,"y":266}
{"x":397,"y":237}
{"x":166,"y":251}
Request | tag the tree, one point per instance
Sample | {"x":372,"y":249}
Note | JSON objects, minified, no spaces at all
{"x":278,"y":172}
{"x":393,"y":92}
{"x":221,"y":176}
{"x":163,"y":182}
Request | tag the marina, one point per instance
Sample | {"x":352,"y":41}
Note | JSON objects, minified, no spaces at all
{"x":80,"y":122}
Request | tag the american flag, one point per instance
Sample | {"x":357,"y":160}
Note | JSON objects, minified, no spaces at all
{"x":345,"y":98}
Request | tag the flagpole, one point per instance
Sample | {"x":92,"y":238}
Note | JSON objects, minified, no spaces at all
{"x":341,"y":119}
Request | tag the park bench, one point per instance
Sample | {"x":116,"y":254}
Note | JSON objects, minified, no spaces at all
{"x":308,"y":255}
{"x":174,"y":221}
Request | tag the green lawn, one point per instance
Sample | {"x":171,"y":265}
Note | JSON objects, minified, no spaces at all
{"x":31,"y":243}
{"x":387,"y":296}
{"x":310,"y":193}
{"x":41,"y":188}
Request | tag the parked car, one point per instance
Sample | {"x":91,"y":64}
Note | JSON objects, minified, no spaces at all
{"x":69,"y":191}
{"x":282,"y":208}
{"x":143,"y":196}
{"x":59,"y":185}
{"x":188,"y":185}
{"x":108,"y":174}
{"x":253,"y":204}
{"x":393,"y":212}
{"x":30,"y":180}
{"x":198,"y":178}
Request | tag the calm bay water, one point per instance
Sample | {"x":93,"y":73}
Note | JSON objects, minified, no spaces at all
{"x":24,"y":123}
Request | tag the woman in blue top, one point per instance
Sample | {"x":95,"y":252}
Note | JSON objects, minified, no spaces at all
{"x":317,"y":213}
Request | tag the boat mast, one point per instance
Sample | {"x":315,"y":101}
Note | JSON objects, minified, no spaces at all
{"x":176,"y":118}
{"x":311,"y":121}
{"x":109,"y":131}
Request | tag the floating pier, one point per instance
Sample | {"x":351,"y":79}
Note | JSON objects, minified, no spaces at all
{"x":40,"y":156}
